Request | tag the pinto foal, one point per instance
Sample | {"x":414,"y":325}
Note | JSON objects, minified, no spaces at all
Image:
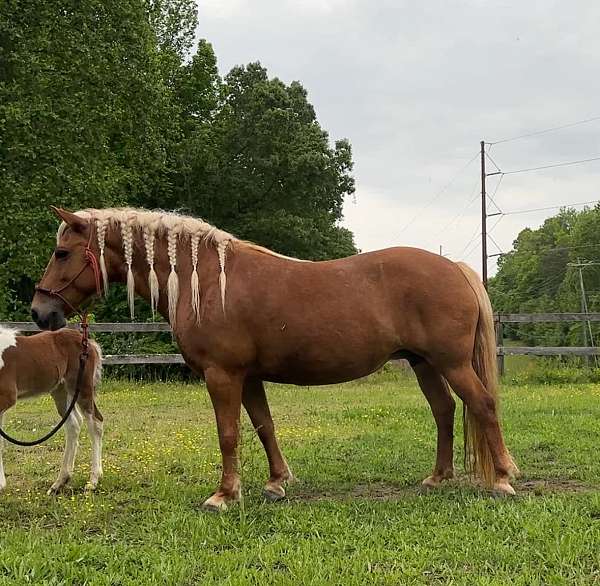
{"x":49,"y":362}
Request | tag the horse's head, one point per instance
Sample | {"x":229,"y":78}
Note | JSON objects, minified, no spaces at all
{"x":71,"y":276}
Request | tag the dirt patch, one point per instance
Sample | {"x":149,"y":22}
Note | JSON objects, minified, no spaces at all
{"x":375,"y":491}
{"x":542,"y":486}
{"x":380,"y":491}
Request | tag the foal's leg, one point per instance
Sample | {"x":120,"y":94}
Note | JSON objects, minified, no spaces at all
{"x":2,"y":477}
{"x":225,"y":391}
{"x":255,"y":403}
{"x":95,"y":425}
{"x":7,"y":400}
{"x":442,"y":405}
{"x":469,"y":388}
{"x":72,"y":430}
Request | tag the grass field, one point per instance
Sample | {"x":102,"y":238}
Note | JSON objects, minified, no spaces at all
{"x":355,"y":516}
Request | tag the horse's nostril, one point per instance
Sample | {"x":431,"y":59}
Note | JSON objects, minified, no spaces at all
{"x":34,"y":315}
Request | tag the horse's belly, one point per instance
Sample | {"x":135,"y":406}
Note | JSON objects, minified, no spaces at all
{"x":323,"y":369}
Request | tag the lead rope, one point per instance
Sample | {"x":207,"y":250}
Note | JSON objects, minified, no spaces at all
{"x":82,"y":362}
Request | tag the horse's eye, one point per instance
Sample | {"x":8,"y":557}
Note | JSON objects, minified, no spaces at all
{"x":60,"y":253}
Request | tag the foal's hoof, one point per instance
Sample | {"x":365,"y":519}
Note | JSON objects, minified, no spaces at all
{"x":54,"y":489}
{"x":90,"y":487}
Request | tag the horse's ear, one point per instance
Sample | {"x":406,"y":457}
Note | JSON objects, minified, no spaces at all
{"x":73,"y":220}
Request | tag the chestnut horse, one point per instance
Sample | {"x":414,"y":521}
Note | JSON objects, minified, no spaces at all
{"x":242,"y":314}
{"x":48,"y":362}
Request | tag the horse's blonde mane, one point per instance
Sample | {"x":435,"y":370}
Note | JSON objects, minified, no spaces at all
{"x":182,"y":233}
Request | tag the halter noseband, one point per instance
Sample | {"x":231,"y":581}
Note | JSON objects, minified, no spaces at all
{"x":90,"y":260}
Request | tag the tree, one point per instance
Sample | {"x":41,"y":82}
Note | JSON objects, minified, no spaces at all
{"x":84,"y":118}
{"x":103,"y":104}
{"x":255,"y":161}
{"x":536,"y":275}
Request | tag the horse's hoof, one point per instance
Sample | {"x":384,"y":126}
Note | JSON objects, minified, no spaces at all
{"x":430,"y":482}
{"x":90,"y":487}
{"x":54,"y":490}
{"x":502,"y":489}
{"x":210,"y":508}
{"x":215,"y":504}
{"x":273,"y":496}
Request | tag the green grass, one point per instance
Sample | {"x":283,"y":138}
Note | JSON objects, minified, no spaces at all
{"x":355,"y":516}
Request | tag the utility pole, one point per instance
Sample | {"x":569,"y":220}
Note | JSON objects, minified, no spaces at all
{"x":484,"y":255}
{"x":588,"y":336}
{"x":583,"y":303}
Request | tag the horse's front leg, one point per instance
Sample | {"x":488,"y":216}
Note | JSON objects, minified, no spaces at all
{"x":255,"y":402}
{"x":225,"y":389}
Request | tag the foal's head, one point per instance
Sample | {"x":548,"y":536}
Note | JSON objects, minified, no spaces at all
{"x":69,"y":278}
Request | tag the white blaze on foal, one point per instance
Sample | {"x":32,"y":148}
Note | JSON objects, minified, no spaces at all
{"x":48,"y":362}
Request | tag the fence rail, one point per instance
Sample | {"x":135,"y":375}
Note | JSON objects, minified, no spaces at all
{"x":500,"y":319}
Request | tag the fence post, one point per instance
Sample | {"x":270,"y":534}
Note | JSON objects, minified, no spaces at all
{"x":500,"y":345}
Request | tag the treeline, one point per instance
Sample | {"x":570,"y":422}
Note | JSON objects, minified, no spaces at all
{"x":112,"y":102}
{"x":538,"y":276}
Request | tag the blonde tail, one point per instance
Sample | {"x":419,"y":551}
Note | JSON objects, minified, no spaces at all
{"x":477,"y":454}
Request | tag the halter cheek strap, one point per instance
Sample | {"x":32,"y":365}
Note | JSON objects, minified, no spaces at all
{"x":91,"y":261}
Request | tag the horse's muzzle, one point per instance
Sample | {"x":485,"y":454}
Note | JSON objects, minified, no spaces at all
{"x":48,"y":319}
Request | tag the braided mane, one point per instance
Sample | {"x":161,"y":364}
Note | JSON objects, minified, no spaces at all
{"x":153,"y":224}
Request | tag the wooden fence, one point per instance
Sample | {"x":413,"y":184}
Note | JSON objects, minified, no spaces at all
{"x":500,"y":319}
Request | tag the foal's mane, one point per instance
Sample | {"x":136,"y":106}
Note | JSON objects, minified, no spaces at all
{"x":180,"y":231}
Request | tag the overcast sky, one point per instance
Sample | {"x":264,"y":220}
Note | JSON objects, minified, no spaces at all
{"x":415,"y":86}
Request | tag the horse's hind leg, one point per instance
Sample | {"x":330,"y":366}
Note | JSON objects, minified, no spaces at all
{"x":255,"y":402}
{"x":72,"y":430}
{"x":442,"y":405}
{"x":468,"y":386}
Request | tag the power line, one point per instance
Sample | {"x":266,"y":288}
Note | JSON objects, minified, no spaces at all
{"x":439,"y":193}
{"x":568,"y":205}
{"x":472,"y":240}
{"x":565,"y":164}
{"x":487,"y":154}
{"x":563,"y":248}
{"x":593,"y":119}
{"x":491,"y":197}
{"x":494,"y":241}
{"x":457,"y":217}
{"x":497,"y":222}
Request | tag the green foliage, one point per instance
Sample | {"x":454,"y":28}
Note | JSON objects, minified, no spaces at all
{"x":84,"y":120}
{"x":536,"y":277}
{"x":255,"y":161}
{"x":103,"y":103}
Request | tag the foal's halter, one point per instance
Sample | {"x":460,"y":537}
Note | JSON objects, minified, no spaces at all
{"x":90,"y":260}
